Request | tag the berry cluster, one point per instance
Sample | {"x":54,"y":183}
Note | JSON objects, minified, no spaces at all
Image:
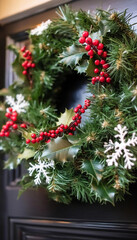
{"x":95,"y":47}
{"x":27,"y":64}
{"x":47,"y":136}
{"x":11,"y":124}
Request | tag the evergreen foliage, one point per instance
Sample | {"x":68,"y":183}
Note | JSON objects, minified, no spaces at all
{"x":81,"y":170}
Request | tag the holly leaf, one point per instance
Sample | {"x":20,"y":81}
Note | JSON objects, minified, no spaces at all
{"x":4,"y":92}
{"x":17,"y":64}
{"x":66,"y":117}
{"x":90,"y":69}
{"x":105,"y":193}
{"x":28,"y":153}
{"x":94,"y":168}
{"x":12,"y":162}
{"x":60,"y":149}
{"x":82,"y":67}
{"x":72,"y":55}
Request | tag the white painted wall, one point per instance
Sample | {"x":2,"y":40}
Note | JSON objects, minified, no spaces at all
{"x":20,"y":8}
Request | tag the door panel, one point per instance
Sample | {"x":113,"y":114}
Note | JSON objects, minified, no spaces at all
{"x":34,"y":216}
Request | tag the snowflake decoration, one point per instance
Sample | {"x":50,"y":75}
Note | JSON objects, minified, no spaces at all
{"x":40,"y":170}
{"x":121,"y":148}
{"x":19,"y":105}
{"x":40,"y":28}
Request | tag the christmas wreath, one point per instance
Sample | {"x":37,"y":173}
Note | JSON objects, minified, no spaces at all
{"x":90,"y":160}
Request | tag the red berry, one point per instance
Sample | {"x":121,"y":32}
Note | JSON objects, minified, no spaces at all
{"x":53,"y":135}
{"x":24,"y":72}
{"x":24,"y":64}
{"x":85,"y":34}
{"x":100,"y":52}
{"x":62,"y":126}
{"x":33,"y":65}
{"x":76,"y":110}
{"x":14,"y":114}
{"x":40,"y":138}
{"x":94,"y":79}
{"x":10,"y":123}
{"x":89,"y":40}
{"x":25,"y":54}
{"x":87,"y":48}
{"x":5,"y":127}
{"x":37,"y":140}
{"x":95,"y":42}
{"x":29,"y":65}
{"x":45,"y":133}
{"x":61,"y":129}
{"x":79,"y":121}
{"x":7,"y":134}
{"x":79,"y":106}
{"x":106,"y":75}
{"x":33,"y":135}
{"x":97,"y":62}
{"x":97,"y":78}
{"x":48,"y":134}
{"x":81,"y":40}
{"x":41,"y":134}
{"x":82,"y":110}
{"x":2,"y":134}
{"x":102,"y":62}
{"x":70,"y":134}
{"x":33,"y":141}
{"x":23,"y":125}
{"x":100,"y":46}
{"x":102,"y":79}
{"x":91,"y":52}
{"x":96,"y":70}
{"x":29,"y":58}
{"x":7,"y":115}
{"x":93,"y":82}
{"x":108,"y":80}
{"x":104,"y":54}
{"x":57,"y":131}
{"x":102,"y":73}
{"x":15,"y":126}
{"x":73,"y":118}
{"x":23,"y":49}
{"x":105,"y":66}
{"x":75,"y":123}
{"x":13,"y":118}
{"x":77,"y":115}
{"x":85,"y":107}
{"x":66,"y":127}
{"x":48,"y":141}
{"x":10,"y":109}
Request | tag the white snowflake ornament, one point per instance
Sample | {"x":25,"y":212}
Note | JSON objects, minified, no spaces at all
{"x":40,"y":170}
{"x":121,"y":148}
{"x":19,"y":104}
{"x":40,"y":28}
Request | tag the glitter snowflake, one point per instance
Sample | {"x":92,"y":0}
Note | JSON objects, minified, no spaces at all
{"x":19,"y":104}
{"x":121,"y":148}
{"x":41,"y":170}
{"x":40,"y":28}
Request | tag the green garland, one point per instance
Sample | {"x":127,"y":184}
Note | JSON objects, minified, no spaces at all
{"x":92,"y":161}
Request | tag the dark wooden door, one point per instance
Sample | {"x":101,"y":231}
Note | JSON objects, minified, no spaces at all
{"x":34,"y":216}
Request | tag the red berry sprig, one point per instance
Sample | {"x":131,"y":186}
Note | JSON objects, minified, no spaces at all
{"x":46,"y":136}
{"x":28,"y":63}
{"x":95,"y":47}
{"x":11,"y":124}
